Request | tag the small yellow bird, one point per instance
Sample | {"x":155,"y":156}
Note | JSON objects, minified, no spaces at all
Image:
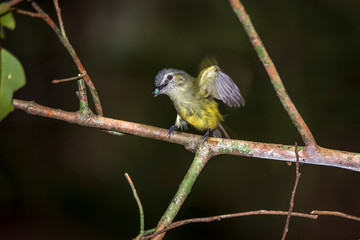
{"x":193,"y":98}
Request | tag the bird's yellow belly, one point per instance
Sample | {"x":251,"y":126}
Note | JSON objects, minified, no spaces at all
{"x":200,"y":114}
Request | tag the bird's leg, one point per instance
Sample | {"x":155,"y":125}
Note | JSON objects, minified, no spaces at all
{"x":206,"y":135}
{"x":172,"y":129}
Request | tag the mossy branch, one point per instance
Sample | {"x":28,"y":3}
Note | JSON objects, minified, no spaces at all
{"x":322,"y":156}
{"x":264,"y":57}
{"x":202,"y":155}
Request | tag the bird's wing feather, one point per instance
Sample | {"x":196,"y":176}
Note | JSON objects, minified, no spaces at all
{"x":213,"y":81}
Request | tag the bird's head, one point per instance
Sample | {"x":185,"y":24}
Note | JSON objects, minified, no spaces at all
{"x":168,"y":81}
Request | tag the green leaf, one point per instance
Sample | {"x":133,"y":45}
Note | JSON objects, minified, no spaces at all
{"x":12,"y":77}
{"x":6,"y":19}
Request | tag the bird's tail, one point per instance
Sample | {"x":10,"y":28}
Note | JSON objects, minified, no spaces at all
{"x":220,"y":132}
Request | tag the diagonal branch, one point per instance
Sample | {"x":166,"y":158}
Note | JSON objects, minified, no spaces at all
{"x":274,"y":76}
{"x":58,"y":12}
{"x":9,"y":4}
{"x":202,"y":155}
{"x":65,"y":41}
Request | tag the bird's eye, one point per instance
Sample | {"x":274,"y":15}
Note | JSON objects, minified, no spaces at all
{"x":169,"y":77}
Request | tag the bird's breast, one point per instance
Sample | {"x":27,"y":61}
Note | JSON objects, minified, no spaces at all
{"x":200,"y":113}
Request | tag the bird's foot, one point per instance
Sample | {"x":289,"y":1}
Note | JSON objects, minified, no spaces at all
{"x":172,"y":129}
{"x":206,"y":135}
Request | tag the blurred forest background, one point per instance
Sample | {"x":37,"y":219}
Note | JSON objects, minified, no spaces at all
{"x":63,"y":181}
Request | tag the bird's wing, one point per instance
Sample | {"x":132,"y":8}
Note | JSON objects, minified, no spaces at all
{"x":213,"y":81}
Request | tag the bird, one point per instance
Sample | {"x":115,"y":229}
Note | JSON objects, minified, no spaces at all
{"x":194,"y":98}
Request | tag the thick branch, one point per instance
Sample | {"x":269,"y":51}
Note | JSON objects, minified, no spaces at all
{"x":203,"y":154}
{"x":274,"y":76}
{"x":322,"y":156}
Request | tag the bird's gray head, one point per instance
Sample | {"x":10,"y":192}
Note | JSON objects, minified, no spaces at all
{"x":167,"y":79}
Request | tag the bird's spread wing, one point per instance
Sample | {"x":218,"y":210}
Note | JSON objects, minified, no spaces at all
{"x":213,"y":81}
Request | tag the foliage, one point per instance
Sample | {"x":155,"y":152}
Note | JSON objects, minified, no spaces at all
{"x":6,"y":20}
{"x":12,"y":77}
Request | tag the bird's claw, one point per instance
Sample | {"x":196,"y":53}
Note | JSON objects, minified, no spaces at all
{"x":172,"y":129}
{"x":206,"y":135}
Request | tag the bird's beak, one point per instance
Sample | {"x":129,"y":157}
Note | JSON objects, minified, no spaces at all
{"x":159,"y":90}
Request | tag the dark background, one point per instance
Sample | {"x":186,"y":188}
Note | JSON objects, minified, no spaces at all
{"x":63,"y":181}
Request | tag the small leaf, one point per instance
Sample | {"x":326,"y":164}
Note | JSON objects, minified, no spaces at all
{"x":6,"y":19}
{"x":12,"y":77}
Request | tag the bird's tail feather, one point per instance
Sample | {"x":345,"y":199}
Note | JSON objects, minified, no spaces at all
{"x":220,"y":132}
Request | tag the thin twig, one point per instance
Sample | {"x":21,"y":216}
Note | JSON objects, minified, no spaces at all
{"x":9,"y":4}
{"x":67,"y":79}
{"x":324,"y":156}
{"x":27,"y":13}
{"x":45,"y":17}
{"x":336,"y":214}
{"x":264,"y":57}
{"x":58,"y":12}
{"x":82,"y":88}
{"x":291,"y":207}
{"x":64,"y":40}
{"x":227,"y":216}
{"x":141,"y":211}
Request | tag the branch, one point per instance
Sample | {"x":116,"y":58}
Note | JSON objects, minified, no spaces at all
{"x":202,"y":155}
{"x":26,"y":13}
{"x":322,"y":156}
{"x":313,"y":215}
{"x":336,"y":214}
{"x":286,"y":228}
{"x":10,"y":4}
{"x":227,"y":216}
{"x":58,"y":12}
{"x":67,"y":79}
{"x":65,"y":41}
{"x":264,"y":57}
{"x":141,"y":211}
